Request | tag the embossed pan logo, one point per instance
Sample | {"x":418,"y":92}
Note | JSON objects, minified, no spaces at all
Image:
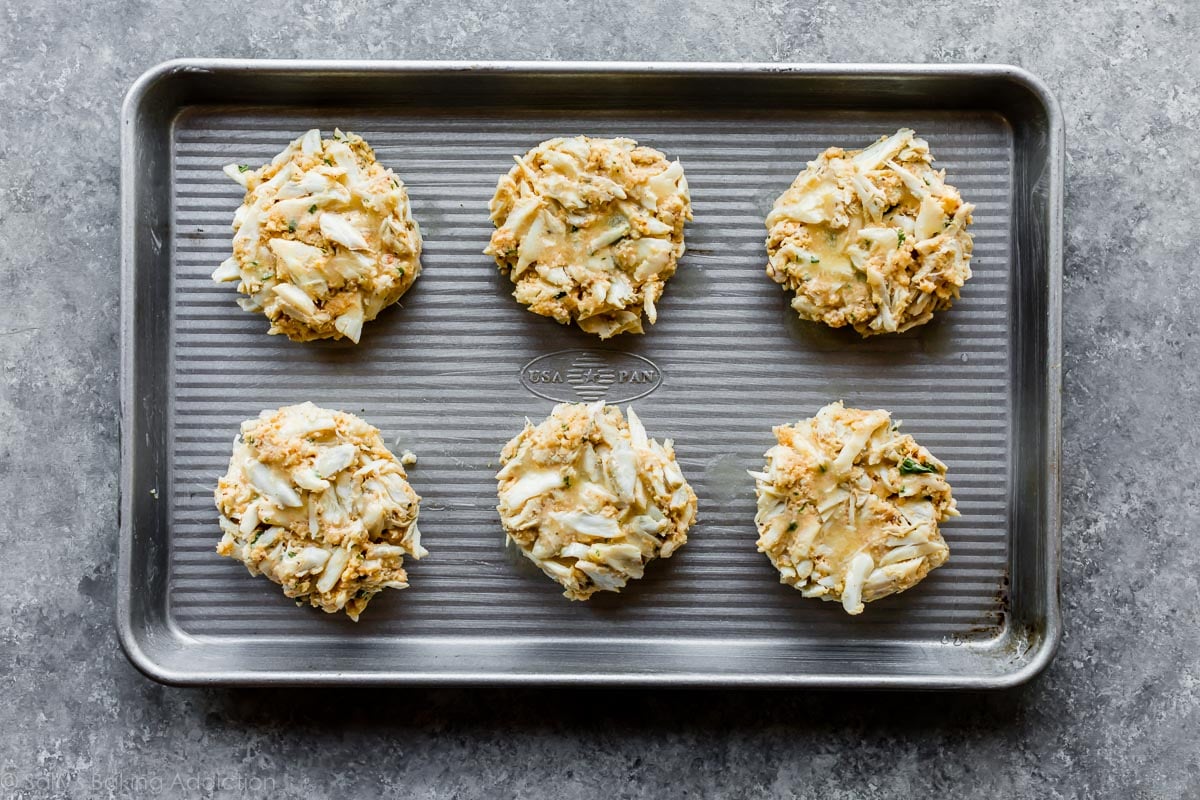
{"x":584,"y":376}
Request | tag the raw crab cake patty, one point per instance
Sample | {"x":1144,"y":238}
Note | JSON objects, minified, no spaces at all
{"x":590,"y":499}
{"x":590,"y":230}
{"x":315,"y":501}
{"x":848,"y":508}
{"x":872,"y":238}
{"x":324,"y":239}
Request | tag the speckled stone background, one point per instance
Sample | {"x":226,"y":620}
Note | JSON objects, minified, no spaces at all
{"x":1116,"y":715}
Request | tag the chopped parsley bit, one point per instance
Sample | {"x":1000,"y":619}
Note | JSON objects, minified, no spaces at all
{"x":566,"y":481}
{"x":312,"y":209}
{"x":254,"y":263}
{"x":910,"y":467}
{"x":814,"y":260}
{"x":400,"y":271}
{"x":899,"y":238}
{"x":243,"y":167}
{"x":291,"y":554}
{"x":823,"y":467}
{"x":255,"y":539}
{"x":291,"y":226}
{"x":792,"y":526}
{"x":395,"y":183}
{"x":327,"y":161}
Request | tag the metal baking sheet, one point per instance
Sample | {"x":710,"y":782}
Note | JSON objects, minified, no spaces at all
{"x":453,"y":371}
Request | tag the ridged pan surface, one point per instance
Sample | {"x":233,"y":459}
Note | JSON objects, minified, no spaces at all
{"x":444,"y":375}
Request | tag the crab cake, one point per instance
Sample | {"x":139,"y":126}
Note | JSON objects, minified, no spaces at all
{"x":324,"y":239}
{"x":848,"y":509}
{"x":590,"y":230}
{"x":315,"y":501}
{"x":590,"y":500}
{"x":872,"y":238}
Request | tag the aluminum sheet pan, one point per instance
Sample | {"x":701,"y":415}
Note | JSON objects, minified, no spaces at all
{"x":453,"y":372}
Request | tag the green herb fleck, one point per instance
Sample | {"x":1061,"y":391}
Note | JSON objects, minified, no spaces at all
{"x":910,"y":467}
{"x":814,"y":260}
{"x":243,"y":167}
{"x":566,"y":481}
{"x":312,"y":209}
{"x":291,"y":226}
{"x":255,"y":539}
{"x":291,"y":554}
{"x":327,"y":161}
{"x":899,"y":238}
{"x":400,"y":271}
{"x":395,"y":183}
{"x":792,"y":526}
{"x":823,"y":467}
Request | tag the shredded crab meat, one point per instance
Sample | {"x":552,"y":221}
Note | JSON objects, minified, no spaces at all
{"x":590,"y":230}
{"x":315,"y":501}
{"x":324,"y":239}
{"x":591,"y":499}
{"x":871,"y":238}
{"x":848,"y":508}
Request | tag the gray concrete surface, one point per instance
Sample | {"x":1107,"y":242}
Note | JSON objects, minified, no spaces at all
{"x":1116,"y":715}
